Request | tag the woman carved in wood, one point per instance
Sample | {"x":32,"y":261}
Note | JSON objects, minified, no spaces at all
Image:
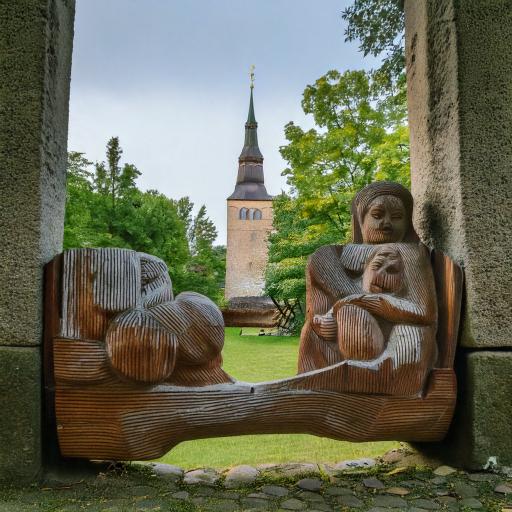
{"x":372,"y":303}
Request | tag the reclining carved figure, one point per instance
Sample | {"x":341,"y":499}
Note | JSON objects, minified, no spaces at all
{"x":131,"y":372}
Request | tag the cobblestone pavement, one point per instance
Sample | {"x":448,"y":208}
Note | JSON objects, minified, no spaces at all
{"x":361,"y":486}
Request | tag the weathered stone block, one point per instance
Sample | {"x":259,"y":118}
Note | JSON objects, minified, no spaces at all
{"x":20,"y":421}
{"x":459,"y":69}
{"x":482,"y":427}
{"x":486,"y":407}
{"x":35,"y":63}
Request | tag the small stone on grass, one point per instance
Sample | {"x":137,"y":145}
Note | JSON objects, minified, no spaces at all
{"x":205,"y":476}
{"x":355,"y":464}
{"x":240,"y":476}
{"x":503,"y":489}
{"x":167,"y":471}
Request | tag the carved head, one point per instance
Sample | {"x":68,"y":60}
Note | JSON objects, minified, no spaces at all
{"x":384,"y":272}
{"x":382,"y":213}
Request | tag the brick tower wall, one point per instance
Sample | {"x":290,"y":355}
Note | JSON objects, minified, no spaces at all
{"x":247,"y":250}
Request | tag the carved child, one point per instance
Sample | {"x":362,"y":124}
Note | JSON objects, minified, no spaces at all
{"x":359,"y":334}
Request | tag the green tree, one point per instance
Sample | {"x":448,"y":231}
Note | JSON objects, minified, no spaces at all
{"x":379,"y":25}
{"x":105,"y":208}
{"x":360,"y":136}
{"x":206,"y":268}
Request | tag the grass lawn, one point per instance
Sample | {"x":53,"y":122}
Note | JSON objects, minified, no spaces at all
{"x":255,"y":359}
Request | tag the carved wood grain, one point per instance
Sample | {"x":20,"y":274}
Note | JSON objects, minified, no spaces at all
{"x":138,"y":406}
{"x":449,"y":286}
{"x":124,"y":422}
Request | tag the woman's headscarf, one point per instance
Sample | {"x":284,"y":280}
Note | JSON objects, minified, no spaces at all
{"x":363,"y":199}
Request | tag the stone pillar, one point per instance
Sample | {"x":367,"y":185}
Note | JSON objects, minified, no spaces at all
{"x":459,"y":74}
{"x":35,"y":63}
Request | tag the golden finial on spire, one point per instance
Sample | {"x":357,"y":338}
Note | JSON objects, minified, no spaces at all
{"x":251,"y":75}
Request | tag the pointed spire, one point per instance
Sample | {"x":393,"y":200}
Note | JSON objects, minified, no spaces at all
{"x":251,"y":118}
{"x":250,"y":181}
{"x":251,"y":152}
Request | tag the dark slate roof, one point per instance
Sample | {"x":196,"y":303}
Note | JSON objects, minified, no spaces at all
{"x":250,"y":182}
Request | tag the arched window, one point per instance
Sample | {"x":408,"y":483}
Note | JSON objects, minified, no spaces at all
{"x":257,"y":214}
{"x":251,"y":214}
{"x":242,"y":215}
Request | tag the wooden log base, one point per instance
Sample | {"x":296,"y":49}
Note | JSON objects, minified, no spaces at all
{"x":119,"y":421}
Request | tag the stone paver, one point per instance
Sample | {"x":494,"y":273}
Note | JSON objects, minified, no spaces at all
{"x":240,"y":476}
{"x":205,"y":476}
{"x":310,"y":496}
{"x":359,"y":490}
{"x":293,"y":504}
{"x":503,"y":489}
{"x":349,"y":501}
{"x":275,"y":490}
{"x":471,"y":503}
{"x":425,"y":504}
{"x":398,"y":491}
{"x":260,"y":495}
{"x":255,"y":503}
{"x":465,"y":490}
{"x":444,"y":471}
{"x":389,"y":501}
{"x":167,"y":471}
{"x":310,"y":484}
{"x":373,"y":483}
{"x":354,"y":464}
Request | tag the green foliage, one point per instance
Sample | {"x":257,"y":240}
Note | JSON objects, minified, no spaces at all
{"x":360,"y":136}
{"x":379,"y":26}
{"x":104,"y":208}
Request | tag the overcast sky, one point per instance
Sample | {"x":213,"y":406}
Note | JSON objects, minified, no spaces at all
{"x":170,"y":79}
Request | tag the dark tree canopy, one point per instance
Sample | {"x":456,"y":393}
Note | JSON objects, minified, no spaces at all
{"x":379,"y":25}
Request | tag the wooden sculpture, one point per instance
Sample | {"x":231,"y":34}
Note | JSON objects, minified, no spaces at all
{"x":131,"y":371}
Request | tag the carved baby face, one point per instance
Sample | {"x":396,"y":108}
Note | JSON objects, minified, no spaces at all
{"x":385,"y":221}
{"x":384,"y":273}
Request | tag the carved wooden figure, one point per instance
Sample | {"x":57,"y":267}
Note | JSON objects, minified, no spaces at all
{"x":131,"y":371}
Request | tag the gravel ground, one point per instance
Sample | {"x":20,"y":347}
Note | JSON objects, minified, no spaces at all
{"x":364,"y":485}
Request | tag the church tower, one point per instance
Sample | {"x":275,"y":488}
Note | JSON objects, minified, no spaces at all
{"x":249,"y":219}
